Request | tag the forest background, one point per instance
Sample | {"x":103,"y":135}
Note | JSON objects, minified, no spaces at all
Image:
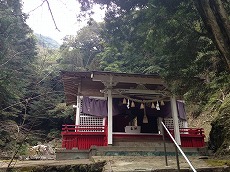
{"x":187,"y":42}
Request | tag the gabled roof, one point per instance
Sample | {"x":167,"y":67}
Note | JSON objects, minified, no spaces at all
{"x":95,"y":83}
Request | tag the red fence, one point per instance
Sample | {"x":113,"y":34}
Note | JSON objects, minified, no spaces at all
{"x":83,"y":137}
{"x":191,"y":137}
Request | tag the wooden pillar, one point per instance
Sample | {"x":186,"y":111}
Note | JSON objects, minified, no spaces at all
{"x":175,"y":120}
{"x":110,"y":118}
{"x":78,"y":106}
{"x":77,"y":117}
{"x":160,"y":127}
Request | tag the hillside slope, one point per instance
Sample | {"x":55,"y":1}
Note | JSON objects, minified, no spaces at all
{"x":46,"y":42}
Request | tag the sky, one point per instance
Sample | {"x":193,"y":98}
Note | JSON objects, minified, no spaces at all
{"x":65,"y":15}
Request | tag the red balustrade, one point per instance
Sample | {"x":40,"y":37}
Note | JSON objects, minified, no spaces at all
{"x":83,"y":137}
{"x":191,"y":137}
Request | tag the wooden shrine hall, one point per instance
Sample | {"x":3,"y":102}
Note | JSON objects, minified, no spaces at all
{"x":123,"y":109}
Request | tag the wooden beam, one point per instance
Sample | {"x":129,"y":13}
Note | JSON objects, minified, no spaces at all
{"x":127,"y":79}
{"x":137,"y":91}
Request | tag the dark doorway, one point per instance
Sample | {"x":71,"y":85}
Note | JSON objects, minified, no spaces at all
{"x":151,"y":126}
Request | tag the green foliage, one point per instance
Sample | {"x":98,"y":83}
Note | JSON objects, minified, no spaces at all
{"x":219,"y":101}
{"x":44,"y":92}
{"x":220,"y":133}
{"x":218,"y":89}
{"x":17,"y":51}
{"x":30,"y":86}
{"x":78,"y":53}
{"x":148,"y":36}
{"x":177,"y":40}
{"x":24,"y":149}
{"x":160,"y":36}
{"x":110,"y":59}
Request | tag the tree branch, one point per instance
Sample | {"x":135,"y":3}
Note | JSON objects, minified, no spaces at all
{"x":52,"y":15}
{"x":209,"y":18}
{"x":37,"y":7}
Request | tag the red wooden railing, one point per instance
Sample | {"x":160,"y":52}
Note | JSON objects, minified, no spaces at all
{"x":83,"y":137}
{"x":191,"y":137}
{"x":78,"y":128}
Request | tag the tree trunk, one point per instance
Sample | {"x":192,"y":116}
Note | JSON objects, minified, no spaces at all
{"x":217,"y":23}
{"x":223,"y":16}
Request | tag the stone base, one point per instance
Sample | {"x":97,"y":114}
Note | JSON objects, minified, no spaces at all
{"x":139,"y":151}
{"x":65,"y":154}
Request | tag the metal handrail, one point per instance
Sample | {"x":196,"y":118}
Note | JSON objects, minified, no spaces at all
{"x":178,"y":147}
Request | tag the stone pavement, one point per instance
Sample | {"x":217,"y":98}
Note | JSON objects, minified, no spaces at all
{"x":124,"y":163}
{"x":149,"y":163}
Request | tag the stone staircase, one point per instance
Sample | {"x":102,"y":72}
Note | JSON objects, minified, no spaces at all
{"x":124,"y":148}
{"x":142,"y":151}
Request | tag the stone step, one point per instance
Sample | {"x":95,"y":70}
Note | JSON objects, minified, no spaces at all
{"x":140,"y":151}
{"x":143,"y":144}
{"x":66,"y":154}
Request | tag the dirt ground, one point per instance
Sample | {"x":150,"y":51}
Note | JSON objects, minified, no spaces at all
{"x":148,"y":163}
{"x":120,"y":163}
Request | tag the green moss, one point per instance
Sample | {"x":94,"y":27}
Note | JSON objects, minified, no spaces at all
{"x":218,"y":162}
{"x":225,"y":106}
{"x":220,"y":132}
{"x":96,"y":167}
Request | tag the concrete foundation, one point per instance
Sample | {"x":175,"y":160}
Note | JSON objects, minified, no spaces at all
{"x":65,"y":154}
